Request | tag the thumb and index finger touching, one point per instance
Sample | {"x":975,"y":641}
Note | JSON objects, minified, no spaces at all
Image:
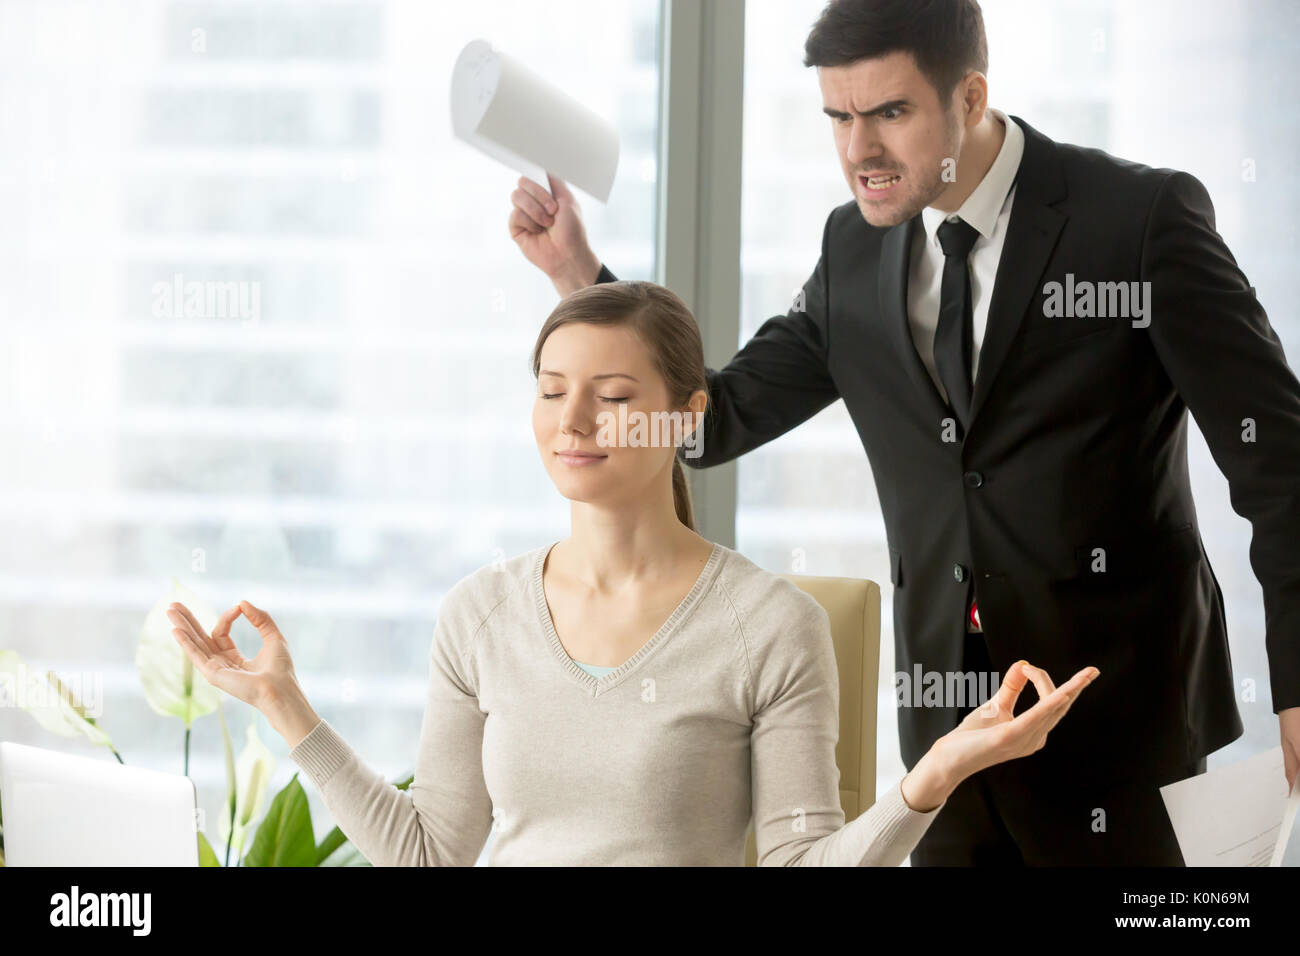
{"x":260,"y":620}
{"x":220,"y":635}
{"x":1054,"y":701}
{"x":1049,"y":695}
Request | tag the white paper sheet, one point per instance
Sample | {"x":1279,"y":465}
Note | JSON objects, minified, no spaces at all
{"x":1232,"y":816}
{"x":1287,"y":851}
{"x":512,"y":114}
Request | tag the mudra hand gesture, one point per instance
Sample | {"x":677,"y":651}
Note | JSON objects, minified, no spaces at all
{"x":267,"y":681}
{"x":992,"y":734}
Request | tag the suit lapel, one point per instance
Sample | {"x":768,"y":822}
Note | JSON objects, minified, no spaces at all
{"x":1032,"y":231}
{"x":895,"y":261}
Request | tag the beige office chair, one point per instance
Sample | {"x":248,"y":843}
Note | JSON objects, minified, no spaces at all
{"x":853,"y":605}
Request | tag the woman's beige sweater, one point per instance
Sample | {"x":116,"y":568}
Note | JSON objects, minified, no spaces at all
{"x":729,"y":711}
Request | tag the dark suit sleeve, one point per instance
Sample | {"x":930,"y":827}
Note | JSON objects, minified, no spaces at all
{"x":778,"y":380}
{"x":1224,"y":358}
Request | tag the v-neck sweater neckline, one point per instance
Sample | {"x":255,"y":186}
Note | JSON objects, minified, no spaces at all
{"x":599,"y":685}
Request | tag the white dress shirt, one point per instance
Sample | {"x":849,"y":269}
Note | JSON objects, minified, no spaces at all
{"x":988,"y":209}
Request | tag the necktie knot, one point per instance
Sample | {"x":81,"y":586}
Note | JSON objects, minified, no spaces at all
{"x":956,"y":238}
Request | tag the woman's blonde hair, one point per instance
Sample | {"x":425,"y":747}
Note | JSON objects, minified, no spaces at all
{"x":663,"y":322}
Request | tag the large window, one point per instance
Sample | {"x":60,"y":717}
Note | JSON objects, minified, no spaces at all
{"x":1188,"y":84}
{"x":351,"y":435}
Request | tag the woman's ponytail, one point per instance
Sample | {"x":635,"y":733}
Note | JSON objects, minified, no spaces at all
{"x":682,"y":496}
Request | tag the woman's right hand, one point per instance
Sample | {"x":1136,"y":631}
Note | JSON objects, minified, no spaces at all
{"x":263,"y":681}
{"x":548,"y":229}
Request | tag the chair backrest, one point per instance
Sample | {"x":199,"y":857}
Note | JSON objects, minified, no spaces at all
{"x":853,"y":606}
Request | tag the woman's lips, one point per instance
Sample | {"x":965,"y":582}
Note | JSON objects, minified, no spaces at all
{"x":579,"y":458}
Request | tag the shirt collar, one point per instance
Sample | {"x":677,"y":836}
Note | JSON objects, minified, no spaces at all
{"x":982,"y":207}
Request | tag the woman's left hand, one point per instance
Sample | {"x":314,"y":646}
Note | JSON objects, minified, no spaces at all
{"x":991,"y":733}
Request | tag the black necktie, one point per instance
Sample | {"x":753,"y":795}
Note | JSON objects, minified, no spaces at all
{"x":953,"y":338}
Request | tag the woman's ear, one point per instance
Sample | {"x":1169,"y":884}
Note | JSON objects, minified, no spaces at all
{"x":699,"y":401}
{"x":692,"y":425}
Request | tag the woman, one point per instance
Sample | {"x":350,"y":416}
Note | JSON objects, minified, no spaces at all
{"x":630,"y":694}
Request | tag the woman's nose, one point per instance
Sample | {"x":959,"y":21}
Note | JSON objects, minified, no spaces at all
{"x":575,"y":418}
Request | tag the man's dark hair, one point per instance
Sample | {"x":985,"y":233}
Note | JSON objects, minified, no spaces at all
{"x":946,"y":37}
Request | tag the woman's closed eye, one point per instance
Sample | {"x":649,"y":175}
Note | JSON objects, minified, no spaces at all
{"x":612,"y":399}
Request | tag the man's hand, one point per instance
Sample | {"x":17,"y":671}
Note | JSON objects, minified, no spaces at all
{"x":1289,"y":722}
{"x":548,"y":228}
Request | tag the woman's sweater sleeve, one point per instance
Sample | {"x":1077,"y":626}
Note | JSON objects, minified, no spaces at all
{"x":444,"y":817}
{"x":798,"y":817}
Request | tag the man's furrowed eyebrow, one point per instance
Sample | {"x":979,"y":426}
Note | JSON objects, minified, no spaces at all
{"x":875,"y":110}
{"x":594,"y":378}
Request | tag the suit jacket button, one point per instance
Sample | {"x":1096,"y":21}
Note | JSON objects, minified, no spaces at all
{"x":973,"y":479}
{"x":958,"y":573}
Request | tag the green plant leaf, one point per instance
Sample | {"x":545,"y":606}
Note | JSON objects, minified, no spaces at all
{"x":51,"y":704}
{"x":206,"y":856}
{"x":172,"y":686}
{"x":333,"y":840}
{"x":284,"y":837}
{"x":346,"y":855}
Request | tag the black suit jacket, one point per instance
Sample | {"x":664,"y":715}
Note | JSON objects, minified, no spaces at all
{"x":1077,"y":442}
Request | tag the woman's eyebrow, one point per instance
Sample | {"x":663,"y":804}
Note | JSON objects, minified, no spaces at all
{"x":594,"y":378}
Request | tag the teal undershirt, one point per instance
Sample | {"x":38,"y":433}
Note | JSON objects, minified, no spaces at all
{"x":595,"y":670}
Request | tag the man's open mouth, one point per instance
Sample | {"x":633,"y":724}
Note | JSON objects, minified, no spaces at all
{"x":880,"y":182}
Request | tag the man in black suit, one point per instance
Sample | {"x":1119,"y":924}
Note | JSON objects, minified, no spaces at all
{"x":1018,"y":328}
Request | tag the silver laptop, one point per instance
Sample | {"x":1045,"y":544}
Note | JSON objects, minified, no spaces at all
{"x":63,"y":810}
